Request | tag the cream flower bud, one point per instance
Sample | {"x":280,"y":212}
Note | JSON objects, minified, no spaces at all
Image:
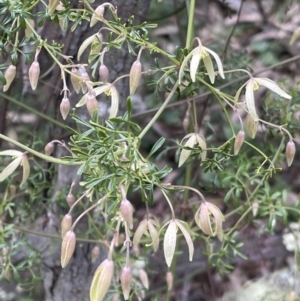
{"x":70,"y":199}
{"x":135,"y":76}
{"x":127,"y":212}
{"x":66,"y":224}
{"x":125,"y":278}
{"x":95,"y":253}
{"x":91,"y":104}
{"x":101,"y":280}
{"x":9,"y":75}
{"x":251,"y":126}
{"x":49,"y":148}
{"x":103,"y":73}
{"x":75,"y":80}
{"x":238,"y":142}
{"x":290,"y":152}
{"x":67,"y":248}
{"x":169,"y":280}
{"x":97,"y":15}
{"x":144,"y":278}
{"x":65,"y":107}
{"x":34,"y":73}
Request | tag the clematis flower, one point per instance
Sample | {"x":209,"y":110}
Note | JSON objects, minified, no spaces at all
{"x":252,"y":85}
{"x":201,"y":52}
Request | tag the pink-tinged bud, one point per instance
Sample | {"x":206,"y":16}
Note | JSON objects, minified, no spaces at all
{"x":34,"y":73}
{"x":75,"y":80}
{"x":65,"y":107}
{"x":251,"y":126}
{"x":9,"y":75}
{"x":67,"y":248}
{"x":169,"y":280}
{"x":102,"y":280}
{"x":91,"y":104}
{"x":103,"y":73}
{"x":49,"y":148}
{"x":85,"y":78}
{"x":125,"y":278}
{"x":97,"y":15}
{"x":144,"y":278}
{"x":185,"y":123}
{"x":66,"y":224}
{"x":290,"y":152}
{"x":135,"y":76}
{"x":127,"y":212}
{"x":115,"y":298}
{"x":70,"y":199}
{"x":95,"y":253}
{"x":52,"y":6}
{"x":238,"y":142}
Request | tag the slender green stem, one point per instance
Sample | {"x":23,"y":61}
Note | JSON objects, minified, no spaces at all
{"x":158,"y":113}
{"x":40,"y":155}
{"x":32,"y":110}
{"x":191,"y":6}
{"x":170,"y":204}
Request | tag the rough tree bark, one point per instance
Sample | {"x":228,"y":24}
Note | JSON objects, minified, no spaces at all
{"x":72,"y":283}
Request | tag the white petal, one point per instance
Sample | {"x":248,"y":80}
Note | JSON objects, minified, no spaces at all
{"x":170,"y":242}
{"x":26,"y":169}
{"x":185,"y":153}
{"x":114,"y":102}
{"x":238,"y":93}
{"x":183,"y":65}
{"x":84,"y":45}
{"x":10,"y":168}
{"x":250,"y":99}
{"x":218,"y":60}
{"x":210,"y":68}
{"x":272,"y":86}
{"x":195,"y":62}
{"x":181,"y":225}
{"x":97,"y":91}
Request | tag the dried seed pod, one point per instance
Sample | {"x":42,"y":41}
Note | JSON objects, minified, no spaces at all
{"x":75,"y":80}
{"x":101,"y":280}
{"x":70,"y":199}
{"x":66,"y":224}
{"x":103,"y":73}
{"x":125,"y":278}
{"x":95,"y":253}
{"x":49,"y":148}
{"x":65,"y":107}
{"x":67,"y":248}
{"x":9,"y":75}
{"x":238,"y":142}
{"x":97,"y":15}
{"x":91,"y":104}
{"x":290,"y":152}
{"x":144,"y":278}
{"x":52,"y":6}
{"x":135,"y":76}
{"x":34,"y":73}
{"x":251,"y":126}
{"x":127,"y":212}
{"x":169,"y":280}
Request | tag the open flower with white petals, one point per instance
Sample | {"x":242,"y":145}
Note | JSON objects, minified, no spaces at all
{"x":201,"y":52}
{"x":252,"y":85}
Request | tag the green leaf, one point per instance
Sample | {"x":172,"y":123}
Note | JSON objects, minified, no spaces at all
{"x":156,"y":146}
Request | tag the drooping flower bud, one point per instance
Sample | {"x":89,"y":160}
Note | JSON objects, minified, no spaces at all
{"x":65,"y":107}
{"x":91,"y":104}
{"x":125,"y":278}
{"x":290,"y":152}
{"x":127,"y":212}
{"x":144,"y":278}
{"x":66,"y":224}
{"x":67,"y":248}
{"x":238,"y":142}
{"x":75,"y":80}
{"x":70,"y":199}
{"x":95,"y":253}
{"x":101,"y":280}
{"x":52,"y":6}
{"x":103,"y":73}
{"x":135,"y":76}
{"x":97,"y":15}
{"x":34,"y":73}
{"x":9,"y":75}
{"x":251,"y":126}
{"x":85,"y":78}
{"x":169,"y":280}
{"x":49,"y":148}
{"x":209,"y":219}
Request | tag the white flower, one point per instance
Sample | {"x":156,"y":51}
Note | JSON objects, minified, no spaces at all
{"x":253,"y":84}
